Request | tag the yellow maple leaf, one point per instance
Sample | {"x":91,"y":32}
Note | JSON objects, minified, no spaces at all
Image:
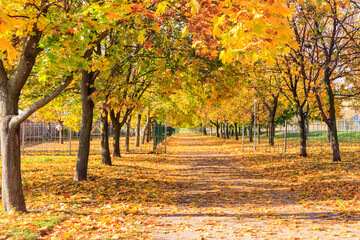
{"x":195,"y":6}
{"x":141,"y":37}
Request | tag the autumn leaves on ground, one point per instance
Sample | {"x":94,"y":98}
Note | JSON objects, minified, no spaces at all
{"x":205,"y":188}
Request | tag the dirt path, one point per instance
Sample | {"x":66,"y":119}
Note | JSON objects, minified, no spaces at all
{"x":225,"y":197}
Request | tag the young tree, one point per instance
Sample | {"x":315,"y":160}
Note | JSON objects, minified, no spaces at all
{"x":332,"y":54}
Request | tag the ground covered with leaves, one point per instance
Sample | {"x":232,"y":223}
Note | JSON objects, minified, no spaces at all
{"x":205,"y":188}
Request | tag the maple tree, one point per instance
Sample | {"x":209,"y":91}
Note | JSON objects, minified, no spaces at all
{"x":24,"y":31}
{"x":189,"y":63}
{"x":331,"y":52}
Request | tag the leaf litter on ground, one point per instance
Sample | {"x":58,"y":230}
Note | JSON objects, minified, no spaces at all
{"x":205,"y":188}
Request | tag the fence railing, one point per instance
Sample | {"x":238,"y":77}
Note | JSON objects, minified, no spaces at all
{"x":160,"y":133}
{"x":287,"y":136}
{"x":49,"y":138}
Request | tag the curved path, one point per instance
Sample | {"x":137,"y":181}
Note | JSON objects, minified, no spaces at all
{"x":227,"y":197}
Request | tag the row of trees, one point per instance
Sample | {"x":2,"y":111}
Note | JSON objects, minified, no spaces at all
{"x":180,"y":61}
{"x":117,"y":55}
{"x":308,"y":78}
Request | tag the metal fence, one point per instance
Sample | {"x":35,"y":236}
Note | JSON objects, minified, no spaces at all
{"x":287,"y":136}
{"x":41,"y":138}
{"x":160,"y":133}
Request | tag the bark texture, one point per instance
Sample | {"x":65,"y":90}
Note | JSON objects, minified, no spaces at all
{"x":87,"y":80}
{"x":236,"y":131}
{"x":105,"y":149}
{"x":145,"y":129}
{"x":127,"y":138}
{"x":12,"y":190}
{"x":137,"y":130}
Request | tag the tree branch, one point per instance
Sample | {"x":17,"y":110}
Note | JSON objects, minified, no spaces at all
{"x":17,"y":120}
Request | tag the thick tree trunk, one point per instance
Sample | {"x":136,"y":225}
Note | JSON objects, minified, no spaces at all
{"x":271,"y":130}
{"x":127,"y":138}
{"x":227,"y":131}
{"x":331,"y":120}
{"x":302,"y":125}
{"x":236,"y":131}
{"x":333,"y":134}
{"x":251,"y":131}
{"x":307,"y":128}
{"x":204,"y":130}
{"x":149,"y":131}
{"x":335,"y":143}
{"x":221,"y":130}
{"x":86,"y":125}
{"x":137,"y":130}
{"x":115,"y":120}
{"x":116,"y":139}
{"x":217,"y":130}
{"x":105,"y":149}
{"x":12,"y":191}
{"x":145,"y":129}
{"x":329,"y":136}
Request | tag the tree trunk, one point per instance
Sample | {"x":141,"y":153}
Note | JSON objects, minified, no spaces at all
{"x":105,"y":149}
{"x":221,"y":130}
{"x":87,"y":80}
{"x":302,"y":125}
{"x":236,"y":131}
{"x":12,"y":191}
{"x":115,"y":120}
{"x":61,"y":132}
{"x":217,"y":130}
{"x":116,"y":139}
{"x":331,"y":120}
{"x":335,"y":143}
{"x":259,"y":133}
{"x":137,"y":130}
{"x":204,"y":130}
{"x":251,"y":130}
{"x":267,"y":132}
{"x":271,"y":130}
{"x":149,"y":131}
{"x":227,"y":131}
{"x":127,"y":138}
{"x":145,"y":129}
{"x":307,"y":128}
{"x":329,"y":136}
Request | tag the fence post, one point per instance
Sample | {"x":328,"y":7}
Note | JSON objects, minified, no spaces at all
{"x":285,"y":136}
{"x":242,"y":137}
{"x":70,"y":141}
